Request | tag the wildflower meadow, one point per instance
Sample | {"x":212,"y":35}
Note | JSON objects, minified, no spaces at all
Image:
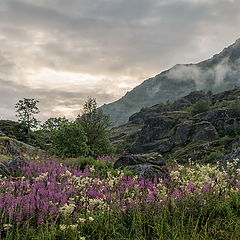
{"x":50,"y":199}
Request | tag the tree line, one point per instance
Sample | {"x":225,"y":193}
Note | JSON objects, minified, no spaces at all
{"x":87,"y":135}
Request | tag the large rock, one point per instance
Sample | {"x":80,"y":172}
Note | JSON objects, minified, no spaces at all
{"x":204,"y":131}
{"x":149,"y":171}
{"x":145,"y":165}
{"x":182,"y":133}
{"x":154,"y":129}
{"x":15,"y":148}
{"x":159,"y":127}
{"x":136,"y":159}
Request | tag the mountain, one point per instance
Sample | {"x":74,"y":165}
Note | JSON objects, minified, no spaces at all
{"x":220,"y":73}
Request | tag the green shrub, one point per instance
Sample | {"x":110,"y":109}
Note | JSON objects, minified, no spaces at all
{"x":214,"y":156}
{"x":236,"y":107}
{"x":200,"y":107}
{"x":70,"y":141}
{"x":226,"y":140}
{"x":125,"y":145}
{"x":81,"y":163}
{"x":14,"y":130}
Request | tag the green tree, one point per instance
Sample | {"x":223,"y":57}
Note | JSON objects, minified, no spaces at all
{"x":95,"y":124}
{"x":25,"y":110}
{"x":54,"y":123}
{"x":70,"y":141}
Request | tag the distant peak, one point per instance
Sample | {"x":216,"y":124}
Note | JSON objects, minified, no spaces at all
{"x":237,"y":42}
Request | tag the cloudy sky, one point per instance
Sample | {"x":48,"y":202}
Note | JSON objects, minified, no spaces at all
{"x":62,"y":51}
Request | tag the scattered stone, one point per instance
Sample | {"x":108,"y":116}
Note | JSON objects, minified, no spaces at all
{"x":4,"y":172}
{"x":16,"y":163}
{"x":233,"y":155}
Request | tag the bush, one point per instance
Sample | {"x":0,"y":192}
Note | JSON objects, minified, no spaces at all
{"x":70,"y":141}
{"x":14,"y":130}
{"x":236,"y":107}
{"x":200,"y":107}
{"x":214,"y":156}
{"x":226,"y":140}
{"x":82,"y":163}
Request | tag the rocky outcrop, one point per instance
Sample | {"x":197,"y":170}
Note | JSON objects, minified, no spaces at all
{"x":204,"y":132}
{"x":164,"y":137}
{"x":15,"y":148}
{"x":189,"y":100}
{"x":145,"y":165}
{"x":175,"y":132}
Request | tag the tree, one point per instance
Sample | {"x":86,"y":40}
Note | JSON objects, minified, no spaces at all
{"x":70,"y":141}
{"x":25,"y":110}
{"x":54,"y":123}
{"x":95,"y":124}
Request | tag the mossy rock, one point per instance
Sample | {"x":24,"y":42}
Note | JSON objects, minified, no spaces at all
{"x":5,"y":138}
{"x":5,"y":158}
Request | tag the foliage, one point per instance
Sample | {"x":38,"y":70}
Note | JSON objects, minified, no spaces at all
{"x":226,"y":140}
{"x":70,"y":141}
{"x":95,"y":124}
{"x":14,"y":129}
{"x":200,"y":107}
{"x":231,"y":131}
{"x":25,"y":110}
{"x":214,"y":156}
{"x":81,"y":163}
{"x":54,"y":123}
{"x":125,"y":145}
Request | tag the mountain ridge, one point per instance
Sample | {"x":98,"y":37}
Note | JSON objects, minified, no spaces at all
{"x":219,"y":73}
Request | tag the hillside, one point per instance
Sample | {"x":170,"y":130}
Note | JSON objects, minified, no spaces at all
{"x":199,"y":126}
{"x":217,"y":74}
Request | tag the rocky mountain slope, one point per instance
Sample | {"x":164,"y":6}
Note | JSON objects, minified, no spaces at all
{"x":220,"y":73}
{"x":199,"y":126}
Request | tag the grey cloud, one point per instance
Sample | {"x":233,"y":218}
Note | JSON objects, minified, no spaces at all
{"x":114,"y":39}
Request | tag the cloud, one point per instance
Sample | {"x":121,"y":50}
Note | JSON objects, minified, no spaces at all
{"x":70,"y":49}
{"x":219,"y":72}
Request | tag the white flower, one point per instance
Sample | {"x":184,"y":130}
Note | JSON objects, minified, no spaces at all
{"x":67,"y":209}
{"x":73,"y":226}
{"x":81,"y":220}
{"x":62,"y":227}
{"x":91,"y":219}
{"x":7,"y":226}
